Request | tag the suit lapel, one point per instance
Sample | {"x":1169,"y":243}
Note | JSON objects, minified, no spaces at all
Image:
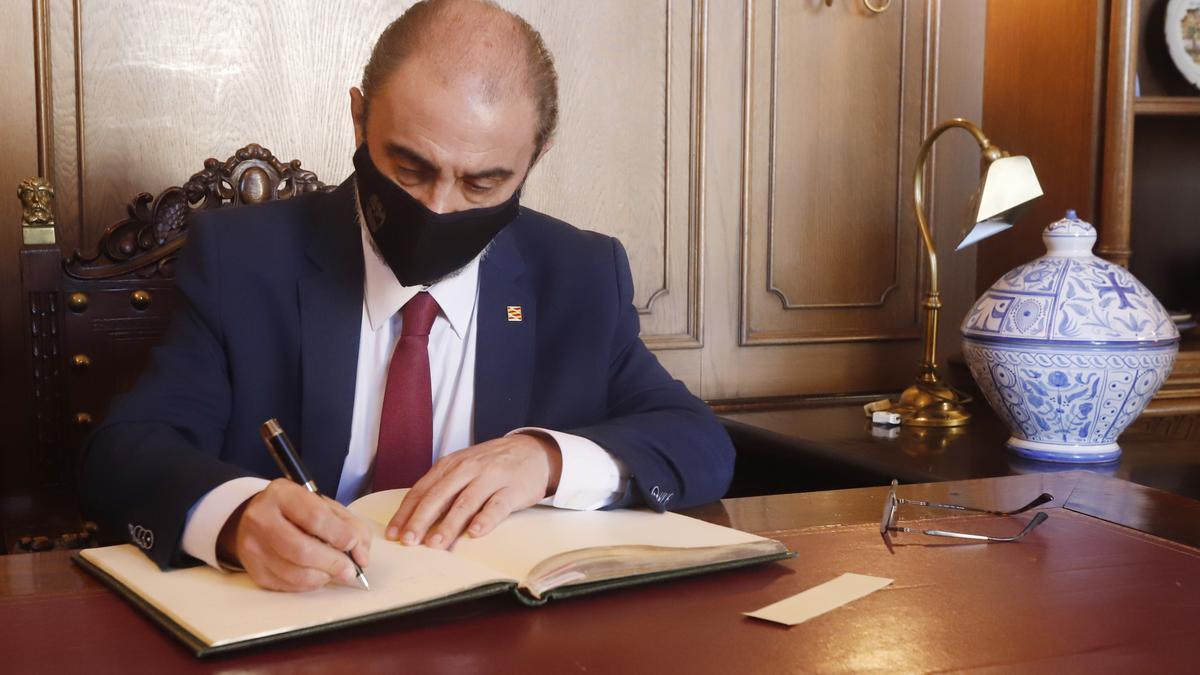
{"x":330,"y":322}
{"x":504,"y":348}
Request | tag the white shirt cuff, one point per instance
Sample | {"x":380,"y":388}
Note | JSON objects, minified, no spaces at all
{"x":591,"y":477}
{"x":208,"y":515}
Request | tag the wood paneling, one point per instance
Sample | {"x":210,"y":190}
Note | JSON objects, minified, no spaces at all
{"x":836,"y":103}
{"x":728,"y":369}
{"x":627,"y":158}
{"x":650,"y":149}
{"x":954,"y":167}
{"x":164,"y":85}
{"x":1050,"y":114}
{"x":18,"y":160}
{"x":64,"y":169}
{"x":624,"y":162}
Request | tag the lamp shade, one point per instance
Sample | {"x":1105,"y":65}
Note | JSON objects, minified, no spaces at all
{"x":1008,"y":183}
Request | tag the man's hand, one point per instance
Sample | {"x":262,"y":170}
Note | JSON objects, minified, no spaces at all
{"x":476,"y":488}
{"x":289,"y":539}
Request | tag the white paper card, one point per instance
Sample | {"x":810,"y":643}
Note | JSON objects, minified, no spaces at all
{"x":820,"y":599}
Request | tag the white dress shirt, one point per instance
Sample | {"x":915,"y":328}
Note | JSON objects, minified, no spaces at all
{"x":591,"y":477}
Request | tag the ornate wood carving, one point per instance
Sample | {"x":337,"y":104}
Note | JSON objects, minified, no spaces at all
{"x":146,"y":244}
{"x":47,"y":378}
{"x":37,"y":202}
{"x":91,"y":319}
{"x":37,"y":211}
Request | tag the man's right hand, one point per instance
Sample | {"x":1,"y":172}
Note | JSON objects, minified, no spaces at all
{"x":289,"y":539}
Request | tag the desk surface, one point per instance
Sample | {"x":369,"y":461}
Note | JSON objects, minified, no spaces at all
{"x":1078,"y":593}
{"x":834,"y":445}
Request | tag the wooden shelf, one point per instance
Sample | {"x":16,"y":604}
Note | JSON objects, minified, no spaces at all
{"x":1167,"y":105}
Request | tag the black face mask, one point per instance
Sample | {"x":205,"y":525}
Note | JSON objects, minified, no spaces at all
{"x":419,"y":245}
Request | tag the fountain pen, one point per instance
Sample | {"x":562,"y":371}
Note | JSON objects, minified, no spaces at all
{"x":281,"y":448}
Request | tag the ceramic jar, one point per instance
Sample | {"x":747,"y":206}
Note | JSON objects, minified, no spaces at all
{"x":1068,"y":349}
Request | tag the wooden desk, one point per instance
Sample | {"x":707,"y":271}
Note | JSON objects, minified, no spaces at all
{"x":1061,"y":600}
{"x":827,"y":446}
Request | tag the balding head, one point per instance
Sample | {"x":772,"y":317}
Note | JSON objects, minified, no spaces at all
{"x":474,"y":45}
{"x":459,"y":100}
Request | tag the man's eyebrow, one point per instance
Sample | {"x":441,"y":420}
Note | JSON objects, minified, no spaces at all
{"x":499,"y":173}
{"x":398,"y":151}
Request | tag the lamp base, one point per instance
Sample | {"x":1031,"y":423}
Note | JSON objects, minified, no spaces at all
{"x":932,"y":404}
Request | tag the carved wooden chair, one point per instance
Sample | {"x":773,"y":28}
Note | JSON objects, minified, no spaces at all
{"x":92,"y":319}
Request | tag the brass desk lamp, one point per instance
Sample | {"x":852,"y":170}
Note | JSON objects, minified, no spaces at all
{"x":1007,"y":184}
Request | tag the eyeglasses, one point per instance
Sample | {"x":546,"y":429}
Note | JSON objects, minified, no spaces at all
{"x":888,"y":524}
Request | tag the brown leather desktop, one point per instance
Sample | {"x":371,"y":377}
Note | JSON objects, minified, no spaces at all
{"x":1093,"y":589}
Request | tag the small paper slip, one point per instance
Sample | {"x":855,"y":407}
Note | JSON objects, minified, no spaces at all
{"x":820,"y":599}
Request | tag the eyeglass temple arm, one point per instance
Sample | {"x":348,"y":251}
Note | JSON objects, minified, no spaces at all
{"x":1038,"y":519}
{"x":1041,"y":499}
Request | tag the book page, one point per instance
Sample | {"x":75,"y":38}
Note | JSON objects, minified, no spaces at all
{"x":221,"y":608}
{"x":528,"y":537}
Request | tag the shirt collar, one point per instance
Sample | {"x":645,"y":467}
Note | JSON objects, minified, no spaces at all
{"x":384,"y":296}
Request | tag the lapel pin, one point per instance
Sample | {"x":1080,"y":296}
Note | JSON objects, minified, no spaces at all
{"x":514,"y":312}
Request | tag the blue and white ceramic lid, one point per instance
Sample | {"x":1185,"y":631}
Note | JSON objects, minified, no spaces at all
{"x":1070,"y":295}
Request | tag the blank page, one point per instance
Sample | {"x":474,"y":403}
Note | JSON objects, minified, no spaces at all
{"x":528,"y":537}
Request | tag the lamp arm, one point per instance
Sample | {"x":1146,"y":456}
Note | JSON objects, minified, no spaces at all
{"x":919,"y":184}
{"x":933,"y":300}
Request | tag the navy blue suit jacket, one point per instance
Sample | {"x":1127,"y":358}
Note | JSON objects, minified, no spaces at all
{"x":270,"y":328}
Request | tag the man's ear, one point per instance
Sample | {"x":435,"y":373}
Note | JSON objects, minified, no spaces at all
{"x":358,"y":114}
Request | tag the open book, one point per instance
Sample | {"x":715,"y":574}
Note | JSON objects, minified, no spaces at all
{"x":537,"y":554}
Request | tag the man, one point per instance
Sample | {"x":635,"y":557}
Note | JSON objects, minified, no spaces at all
{"x":415,"y":313}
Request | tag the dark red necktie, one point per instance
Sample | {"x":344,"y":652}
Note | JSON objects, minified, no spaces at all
{"x":405,"y":448}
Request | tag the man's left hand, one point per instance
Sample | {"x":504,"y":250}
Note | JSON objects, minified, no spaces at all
{"x":472,"y":490}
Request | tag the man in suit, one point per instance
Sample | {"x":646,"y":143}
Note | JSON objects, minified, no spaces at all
{"x":414,"y":327}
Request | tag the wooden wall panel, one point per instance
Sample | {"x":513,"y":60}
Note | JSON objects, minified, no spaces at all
{"x":627,"y":160}
{"x":954,"y":166}
{"x":836,"y":101}
{"x":63,"y":151}
{"x":18,"y":160}
{"x":164,"y":85}
{"x":1062,"y":141}
{"x":951,"y":35}
{"x":151,"y":81}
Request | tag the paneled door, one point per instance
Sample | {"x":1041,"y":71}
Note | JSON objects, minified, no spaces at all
{"x":836,"y":103}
